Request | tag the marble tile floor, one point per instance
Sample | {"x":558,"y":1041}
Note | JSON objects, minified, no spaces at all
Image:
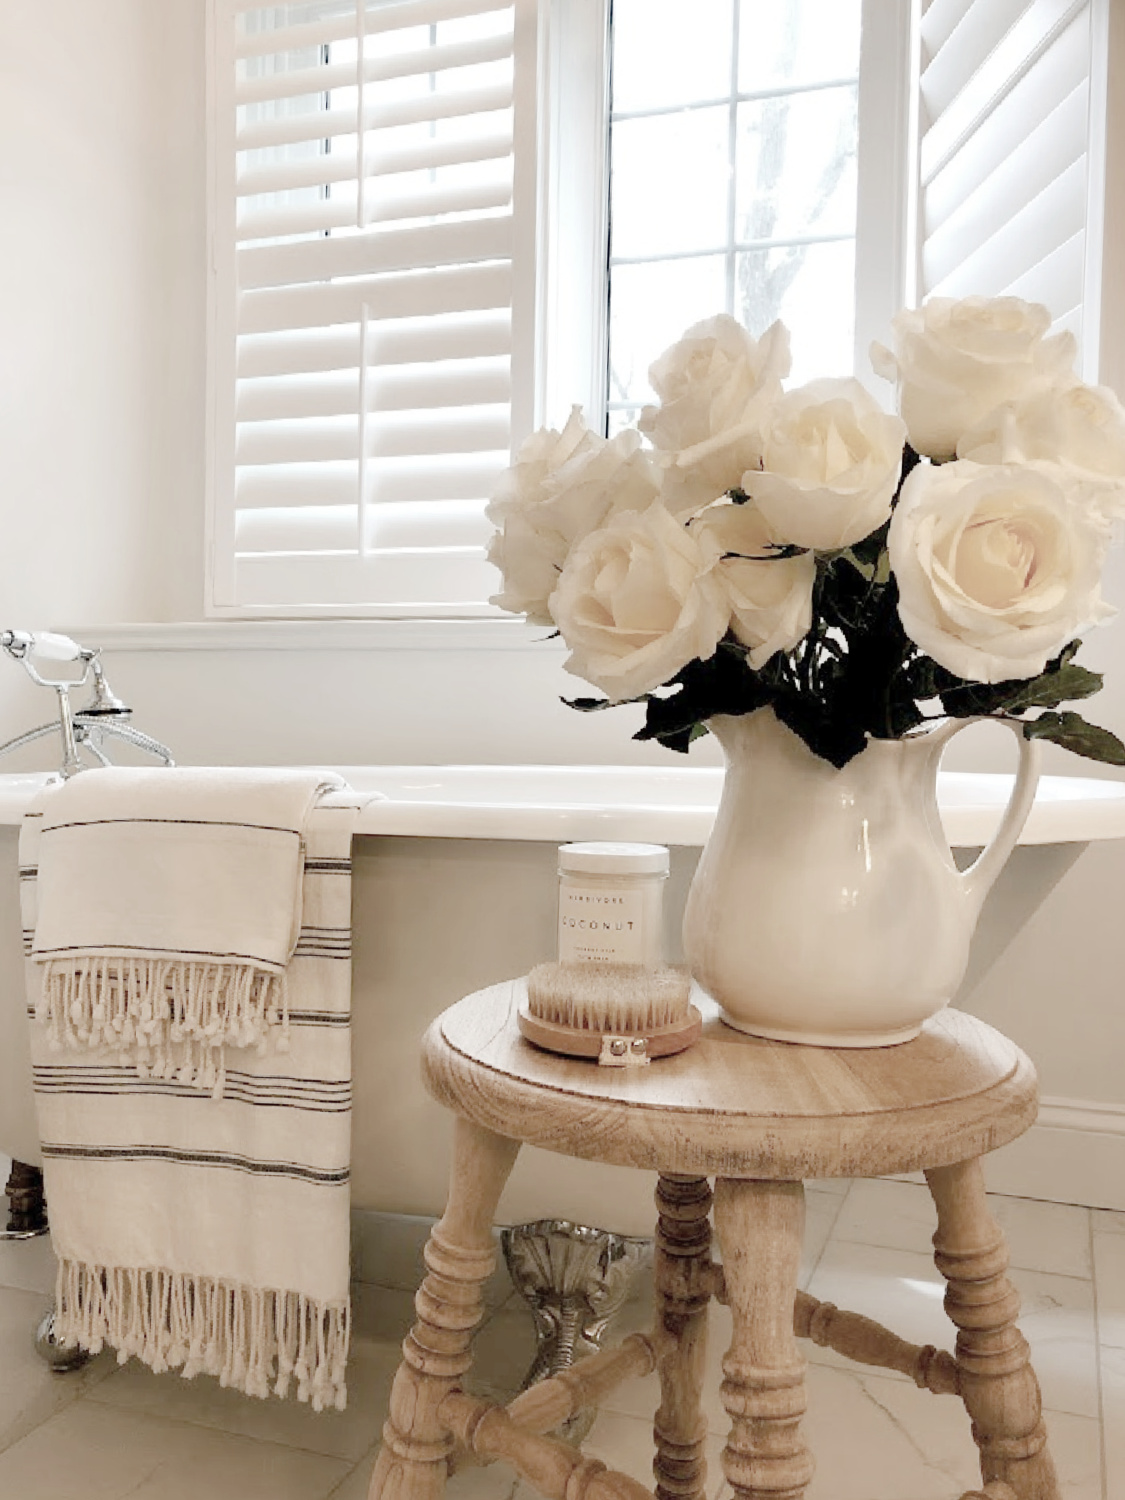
{"x":110,"y":1432}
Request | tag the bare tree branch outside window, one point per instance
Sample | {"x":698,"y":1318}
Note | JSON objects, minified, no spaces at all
{"x":789,"y":176}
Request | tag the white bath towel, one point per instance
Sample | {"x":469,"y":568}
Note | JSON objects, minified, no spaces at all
{"x":212,"y":1234}
{"x":169,"y":907}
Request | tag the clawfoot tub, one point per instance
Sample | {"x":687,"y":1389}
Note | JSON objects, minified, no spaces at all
{"x":455,"y":889}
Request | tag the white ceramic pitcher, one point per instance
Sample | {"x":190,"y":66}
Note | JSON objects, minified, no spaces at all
{"x":827,"y":907}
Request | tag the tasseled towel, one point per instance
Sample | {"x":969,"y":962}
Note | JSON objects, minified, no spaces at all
{"x":253,"y":1340}
{"x":210,"y":1235}
{"x":169,"y":907}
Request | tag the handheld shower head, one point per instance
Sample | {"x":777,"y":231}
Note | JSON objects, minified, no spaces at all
{"x":105,"y":703}
{"x":104,"y":717}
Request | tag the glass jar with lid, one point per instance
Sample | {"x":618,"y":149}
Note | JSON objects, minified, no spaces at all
{"x":611,"y":904}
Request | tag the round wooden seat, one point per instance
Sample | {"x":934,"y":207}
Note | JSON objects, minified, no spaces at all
{"x":734,"y":1105}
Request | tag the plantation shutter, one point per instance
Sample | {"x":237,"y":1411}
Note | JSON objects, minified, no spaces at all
{"x":1011,"y":112}
{"x":373,"y":271}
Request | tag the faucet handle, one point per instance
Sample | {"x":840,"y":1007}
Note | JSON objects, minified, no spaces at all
{"x":52,"y":647}
{"x":44,"y":643}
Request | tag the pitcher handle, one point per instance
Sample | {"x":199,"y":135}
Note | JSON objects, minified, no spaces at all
{"x":977,"y":880}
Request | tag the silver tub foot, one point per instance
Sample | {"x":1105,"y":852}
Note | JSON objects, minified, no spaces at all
{"x":61,"y":1357}
{"x":574,"y":1279}
{"x":27,"y":1213}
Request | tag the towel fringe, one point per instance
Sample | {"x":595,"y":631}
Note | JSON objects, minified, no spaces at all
{"x":251,"y":1338}
{"x":171,"y":1018}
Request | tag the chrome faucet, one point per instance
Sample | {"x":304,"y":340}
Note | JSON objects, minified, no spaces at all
{"x":85,"y":728}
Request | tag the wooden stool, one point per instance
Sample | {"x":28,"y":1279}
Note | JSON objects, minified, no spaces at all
{"x":759,"y":1117}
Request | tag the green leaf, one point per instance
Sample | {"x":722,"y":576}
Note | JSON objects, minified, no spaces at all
{"x":595,"y":705}
{"x":1052,"y":688}
{"x":903,"y":715}
{"x":774,"y":552}
{"x":927,"y":679}
{"x":671,"y":718}
{"x":1068,"y":653}
{"x":680,"y":740}
{"x":1063,"y":681}
{"x":870,"y":548}
{"x":835,"y":739}
{"x":589,"y":705}
{"x":1072,"y":732}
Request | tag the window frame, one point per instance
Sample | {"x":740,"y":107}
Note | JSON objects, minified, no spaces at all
{"x":559,"y":278}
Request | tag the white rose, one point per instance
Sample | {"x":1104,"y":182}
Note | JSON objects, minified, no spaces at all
{"x":830,"y":462}
{"x":561,"y":487}
{"x":636,"y":602}
{"x":997,"y":567}
{"x":1081,"y":426}
{"x":956,"y":361}
{"x":770,"y":596}
{"x":715,"y":387}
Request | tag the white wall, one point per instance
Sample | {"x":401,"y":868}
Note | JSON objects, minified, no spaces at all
{"x":102,"y":306}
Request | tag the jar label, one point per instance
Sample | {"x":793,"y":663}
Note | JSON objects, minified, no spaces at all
{"x":600,"y":926}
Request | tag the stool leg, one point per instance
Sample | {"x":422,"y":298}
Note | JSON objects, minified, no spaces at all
{"x":998,"y":1385}
{"x":683,"y":1242}
{"x":760,"y":1226}
{"x":460,"y":1256}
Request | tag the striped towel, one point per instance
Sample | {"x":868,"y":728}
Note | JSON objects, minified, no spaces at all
{"x":169,"y":907}
{"x":212,"y":1234}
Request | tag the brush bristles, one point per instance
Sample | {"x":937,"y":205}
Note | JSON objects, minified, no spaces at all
{"x":618,"y":998}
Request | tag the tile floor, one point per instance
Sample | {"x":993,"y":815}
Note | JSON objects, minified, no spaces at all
{"x":108,"y":1433}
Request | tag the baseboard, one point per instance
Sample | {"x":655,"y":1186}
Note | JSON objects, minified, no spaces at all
{"x":387,"y":1252}
{"x":1074,"y":1153}
{"x":387,"y":1248}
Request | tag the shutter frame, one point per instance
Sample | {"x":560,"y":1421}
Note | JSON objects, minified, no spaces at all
{"x":299,"y":349}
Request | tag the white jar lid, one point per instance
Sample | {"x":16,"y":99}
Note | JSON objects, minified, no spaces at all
{"x":613,"y":859}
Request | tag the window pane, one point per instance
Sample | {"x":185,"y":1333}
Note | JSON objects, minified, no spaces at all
{"x":668,"y":190}
{"x":668,"y":53}
{"x":787,"y":42}
{"x":770,"y":234}
{"x":811,"y":288}
{"x":650,"y":306}
{"x":797,"y":165}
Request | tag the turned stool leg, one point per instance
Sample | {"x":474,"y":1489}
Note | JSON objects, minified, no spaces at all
{"x":460,"y":1256}
{"x":997,"y":1382}
{"x":760,"y":1226}
{"x":683,"y":1244}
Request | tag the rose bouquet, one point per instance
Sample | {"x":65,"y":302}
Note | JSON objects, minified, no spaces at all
{"x":859,"y":572}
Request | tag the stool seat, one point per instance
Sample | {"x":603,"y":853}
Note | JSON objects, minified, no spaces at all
{"x":735,"y":1105}
{"x":757,"y":1117}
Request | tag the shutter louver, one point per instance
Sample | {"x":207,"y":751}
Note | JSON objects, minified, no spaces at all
{"x":1005,"y":152}
{"x":364,"y":292}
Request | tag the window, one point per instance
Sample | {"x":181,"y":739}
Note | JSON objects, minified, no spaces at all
{"x":411,"y":230}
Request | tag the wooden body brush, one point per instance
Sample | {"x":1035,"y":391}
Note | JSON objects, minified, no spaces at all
{"x":610,"y":996}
